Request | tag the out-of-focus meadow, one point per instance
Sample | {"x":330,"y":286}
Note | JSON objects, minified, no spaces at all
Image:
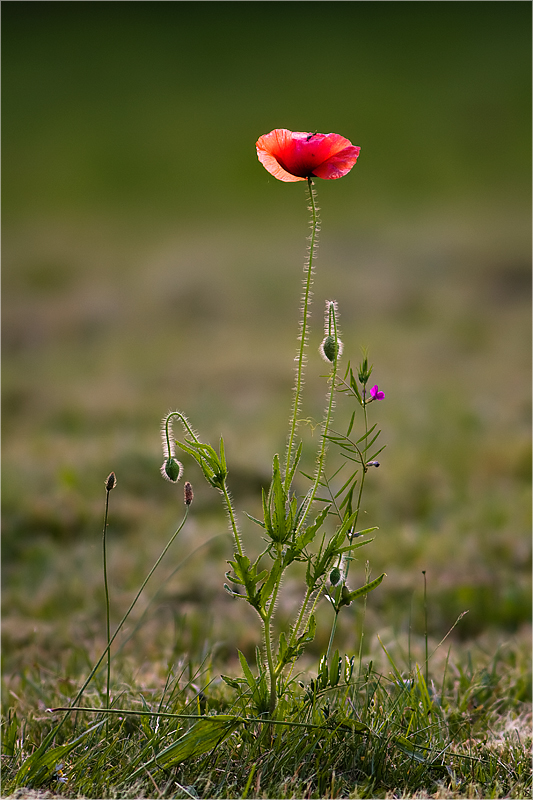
{"x":151,"y":263}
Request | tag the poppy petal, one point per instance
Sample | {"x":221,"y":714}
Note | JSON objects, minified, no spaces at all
{"x":269,"y":150}
{"x":296,"y":155}
{"x":339,"y":164}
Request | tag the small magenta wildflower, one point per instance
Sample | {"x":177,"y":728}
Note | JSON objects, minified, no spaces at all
{"x":376,"y":394}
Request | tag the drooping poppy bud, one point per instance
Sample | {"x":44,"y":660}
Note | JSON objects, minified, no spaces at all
{"x":172,"y":469}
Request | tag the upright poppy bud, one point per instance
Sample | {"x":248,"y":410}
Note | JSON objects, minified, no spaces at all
{"x":331,"y":346}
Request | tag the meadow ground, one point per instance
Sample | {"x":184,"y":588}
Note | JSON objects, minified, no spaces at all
{"x":121,"y":302}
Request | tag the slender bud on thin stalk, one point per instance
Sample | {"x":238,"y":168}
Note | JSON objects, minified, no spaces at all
{"x":188,"y":493}
{"x":111,"y":481}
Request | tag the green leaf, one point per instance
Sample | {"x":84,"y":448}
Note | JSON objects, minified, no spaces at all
{"x":257,"y":521}
{"x":223,"y":457}
{"x":277,"y":501}
{"x":247,"y":671}
{"x":235,"y":683}
{"x":268,"y":586}
{"x":205,"y":735}
{"x":366,"y":434}
{"x":9,"y":734}
{"x":335,"y":669}
{"x":408,"y":748}
{"x":350,"y":426}
{"x":294,"y":465}
{"x":40,"y":766}
{"x":266,"y":513}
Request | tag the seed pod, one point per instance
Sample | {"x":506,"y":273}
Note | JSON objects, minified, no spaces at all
{"x":345,"y":596}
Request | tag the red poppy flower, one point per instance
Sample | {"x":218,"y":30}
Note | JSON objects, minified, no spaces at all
{"x":295,"y":156}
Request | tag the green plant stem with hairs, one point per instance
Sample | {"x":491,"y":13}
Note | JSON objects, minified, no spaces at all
{"x":303,"y":331}
{"x":286,"y":519}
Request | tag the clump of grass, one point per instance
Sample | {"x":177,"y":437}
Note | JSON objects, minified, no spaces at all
{"x":362,"y":733}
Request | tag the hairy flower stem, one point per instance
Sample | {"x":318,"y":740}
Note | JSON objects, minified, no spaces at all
{"x":267,"y":618}
{"x":324,"y":437}
{"x":271,"y":669}
{"x":231,"y":515}
{"x":303,"y":331}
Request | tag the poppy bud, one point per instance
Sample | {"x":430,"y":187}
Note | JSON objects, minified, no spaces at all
{"x":188,"y":493}
{"x":329,"y":350}
{"x":111,"y":481}
{"x":171,"y":470}
{"x":334,"y":576}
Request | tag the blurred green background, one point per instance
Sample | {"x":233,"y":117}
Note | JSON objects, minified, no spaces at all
{"x":151,"y":263}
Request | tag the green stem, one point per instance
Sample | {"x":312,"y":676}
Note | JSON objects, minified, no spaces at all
{"x":324,"y":438}
{"x":108,"y":627}
{"x":301,"y":616}
{"x":360,"y":494}
{"x":303,"y":332}
{"x":270,"y":661}
{"x":231,"y":515}
{"x":332,"y":634}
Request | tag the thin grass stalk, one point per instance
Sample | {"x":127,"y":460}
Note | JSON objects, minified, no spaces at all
{"x":109,"y":485}
{"x":74,"y":707}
